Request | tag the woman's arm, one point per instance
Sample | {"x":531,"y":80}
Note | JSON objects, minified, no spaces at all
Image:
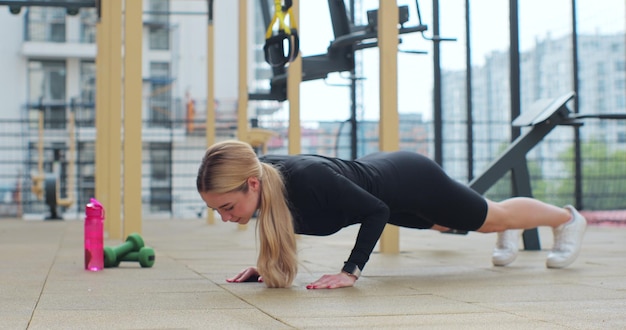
{"x":345,"y":201}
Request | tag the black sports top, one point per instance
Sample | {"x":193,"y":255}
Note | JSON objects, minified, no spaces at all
{"x":402,"y":188}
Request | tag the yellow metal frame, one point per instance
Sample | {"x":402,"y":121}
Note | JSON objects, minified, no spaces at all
{"x":103,"y":76}
{"x":389,"y":139}
{"x":210,"y":103}
{"x":133,"y":29}
{"x":294,"y":78}
{"x":109,"y":107}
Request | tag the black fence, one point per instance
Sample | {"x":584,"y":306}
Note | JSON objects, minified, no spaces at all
{"x":172,"y":151}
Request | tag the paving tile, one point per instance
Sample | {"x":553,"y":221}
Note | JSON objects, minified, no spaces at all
{"x":156,"y":319}
{"x":140,"y":301}
{"x":578,"y":314}
{"x":479,"y":321}
{"x":354,"y":302}
{"x":121,"y":286}
{"x":437,"y":281}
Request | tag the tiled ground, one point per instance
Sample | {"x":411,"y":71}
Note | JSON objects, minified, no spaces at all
{"x":438,"y":281}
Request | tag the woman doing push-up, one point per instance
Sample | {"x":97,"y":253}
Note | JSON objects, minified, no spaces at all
{"x":316,"y":195}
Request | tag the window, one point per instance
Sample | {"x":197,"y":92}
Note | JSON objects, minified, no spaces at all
{"x":161,"y":94}
{"x":85,"y":114}
{"x":159,"y":25}
{"x":160,"y":177}
{"x":88,"y":20}
{"x":88,"y":82}
{"x":46,"y":91}
{"x":45,"y":24}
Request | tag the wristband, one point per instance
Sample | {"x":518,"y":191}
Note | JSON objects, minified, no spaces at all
{"x":351,"y":269}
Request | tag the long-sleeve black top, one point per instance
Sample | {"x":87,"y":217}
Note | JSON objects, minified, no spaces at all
{"x":327,"y":194}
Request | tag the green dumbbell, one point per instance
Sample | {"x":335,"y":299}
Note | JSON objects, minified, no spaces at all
{"x":134,"y":242}
{"x":145,"y":256}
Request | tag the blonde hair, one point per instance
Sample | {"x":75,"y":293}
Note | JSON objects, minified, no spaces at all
{"x":226,"y":167}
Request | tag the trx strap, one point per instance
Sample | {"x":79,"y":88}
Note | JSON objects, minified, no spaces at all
{"x":275,"y":53}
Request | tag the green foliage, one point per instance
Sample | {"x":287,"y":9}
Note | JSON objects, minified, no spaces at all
{"x":604,"y":176}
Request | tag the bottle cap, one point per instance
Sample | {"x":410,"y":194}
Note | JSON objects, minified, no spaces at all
{"x":94,"y":208}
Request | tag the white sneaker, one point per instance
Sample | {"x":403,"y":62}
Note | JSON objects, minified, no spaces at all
{"x":506,"y":249}
{"x":568,"y":238}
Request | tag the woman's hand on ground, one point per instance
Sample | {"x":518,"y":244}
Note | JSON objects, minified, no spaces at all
{"x":335,"y":281}
{"x":249,"y":274}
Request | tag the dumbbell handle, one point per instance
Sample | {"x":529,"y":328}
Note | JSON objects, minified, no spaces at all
{"x":145,"y":256}
{"x":134,"y":242}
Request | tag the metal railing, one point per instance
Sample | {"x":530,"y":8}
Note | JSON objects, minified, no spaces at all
{"x":172,"y":152}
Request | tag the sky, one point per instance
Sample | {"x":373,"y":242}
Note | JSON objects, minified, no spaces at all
{"x":329,"y":99}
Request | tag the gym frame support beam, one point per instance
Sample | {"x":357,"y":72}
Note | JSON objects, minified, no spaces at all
{"x":294,"y":78}
{"x":113,"y":137}
{"x":210,"y":104}
{"x":103,"y":101}
{"x":133,"y":30}
{"x":242,"y":98}
{"x":388,"y":81}
{"x":114,"y":75}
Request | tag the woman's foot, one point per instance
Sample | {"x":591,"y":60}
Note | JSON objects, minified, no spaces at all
{"x":568,"y":238}
{"x":506,"y":248}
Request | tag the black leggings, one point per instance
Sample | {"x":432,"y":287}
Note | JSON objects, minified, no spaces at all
{"x":420,"y":194}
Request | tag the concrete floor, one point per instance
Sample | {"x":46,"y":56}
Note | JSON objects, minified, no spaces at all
{"x":438,"y":281}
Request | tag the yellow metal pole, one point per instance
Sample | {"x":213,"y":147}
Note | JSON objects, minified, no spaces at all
{"x":210,"y":99}
{"x":294,"y":78}
{"x":242,"y":100}
{"x":113,"y":209}
{"x":133,"y":26}
{"x":389,"y":139}
{"x":103,"y":76}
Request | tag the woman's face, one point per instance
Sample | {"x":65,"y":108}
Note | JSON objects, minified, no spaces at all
{"x":235,"y":206}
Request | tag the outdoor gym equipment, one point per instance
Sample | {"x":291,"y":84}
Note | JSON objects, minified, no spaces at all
{"x":47,"y":184}
{"x":275,"y":53}
{"x":145,"y":256}
{"x":282,"y":47}
{"x":112,"y":255}
{"x":542,"y":117}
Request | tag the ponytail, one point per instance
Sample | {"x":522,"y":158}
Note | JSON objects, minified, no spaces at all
{"x":277,"y":261}
{"x":226,"y":167}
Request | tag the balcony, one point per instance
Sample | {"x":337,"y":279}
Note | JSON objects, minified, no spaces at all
{"x":53,"y":50}
{"x":50,"y":34}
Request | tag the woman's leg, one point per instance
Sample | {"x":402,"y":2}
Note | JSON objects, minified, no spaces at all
{"x":522,"y":213}
{"x":508,"y":216}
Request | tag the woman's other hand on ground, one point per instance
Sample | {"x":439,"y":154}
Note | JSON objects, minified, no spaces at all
{"x":335,"y":281}
{"x":249,"y":274}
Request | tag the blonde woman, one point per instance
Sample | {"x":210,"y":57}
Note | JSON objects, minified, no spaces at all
{"x":316,"y":195}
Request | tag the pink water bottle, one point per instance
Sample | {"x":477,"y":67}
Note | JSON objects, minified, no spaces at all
{"x":94,"y":236}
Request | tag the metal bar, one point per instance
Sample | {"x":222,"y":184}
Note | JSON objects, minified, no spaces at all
{"x":514,"y":70}
{"x":512,"y":156}
{"x":578,"y":160}
{"x":521,"y":187}
{"x":437,"y":109}
{"x":242,"y":98}
{"x":468,"y":94}
{"x":103,"y":104}
{"x":133,"y":26}
{"x":294,"y":78}
{"x":113,"y":136}
{"x":210,"y":104}
{"x":388,"y":84}
{"x":174,"y":13}
{"x":51,"y":3}
{"x":353,"y":88}
{"x":339,"y":18}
